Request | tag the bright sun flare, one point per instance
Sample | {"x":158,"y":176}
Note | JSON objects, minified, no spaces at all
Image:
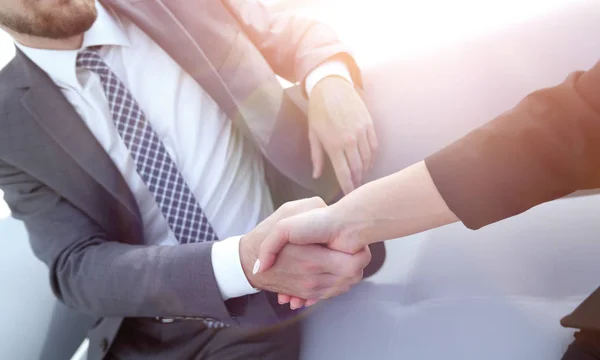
{"x":384,"y":29}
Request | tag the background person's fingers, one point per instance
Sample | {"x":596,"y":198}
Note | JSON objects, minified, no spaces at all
{"x":354,"y":160}
{"x":365,"y":151}
{"x":317,"y":154}
{"x":372,"y":135}
{"x":342,"y":171}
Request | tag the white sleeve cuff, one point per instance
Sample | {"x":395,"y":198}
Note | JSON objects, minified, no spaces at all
{"x":328,"y":68}
{"x":227,"y":266}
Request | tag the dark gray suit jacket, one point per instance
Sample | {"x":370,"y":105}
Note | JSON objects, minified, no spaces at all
{"x":82,"y":218}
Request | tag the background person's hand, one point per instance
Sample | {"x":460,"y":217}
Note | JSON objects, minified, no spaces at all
{"x":341,"y":126}
{"x":309,"y":272}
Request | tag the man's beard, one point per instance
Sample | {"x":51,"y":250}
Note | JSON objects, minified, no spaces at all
{"x":62,"y":20}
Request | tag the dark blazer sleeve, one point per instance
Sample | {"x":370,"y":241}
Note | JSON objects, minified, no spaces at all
{"x":292,"y":45}
{"x":98,"y":275}
{"x":545,"y":148}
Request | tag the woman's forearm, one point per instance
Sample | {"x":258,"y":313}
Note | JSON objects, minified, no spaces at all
{"x":398,"y":205}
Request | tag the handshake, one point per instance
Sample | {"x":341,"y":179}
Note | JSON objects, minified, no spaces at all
{"x":305,"y":252}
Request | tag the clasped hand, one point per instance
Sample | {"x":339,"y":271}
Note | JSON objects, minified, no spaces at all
{"x":306,"y":271}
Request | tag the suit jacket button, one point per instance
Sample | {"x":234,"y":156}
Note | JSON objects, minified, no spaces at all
{"x":104,"y":344}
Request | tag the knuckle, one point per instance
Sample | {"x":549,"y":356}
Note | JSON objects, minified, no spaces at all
{"x":355,"y":269}
{"x":303,"y":293}
{"x":317,"y":202}
{"x":332,"y":293}
{"x":287,"y":207}
{"x":366,"y":156}
{"x":310,"y":294}
{"x":276,"y":288}
{"x":325,"y":295}
{"x":342,"y":289}
{"x":348,"y":141}
{"x":350,"y":269}
{"x":310,"y":285}
{"x":357,"y":278}
{"x":280,"y":227}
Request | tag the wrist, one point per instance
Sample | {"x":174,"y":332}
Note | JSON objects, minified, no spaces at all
{"x":333,"y":82}
{"x":248,"y":257}
{"x":350,"y":224}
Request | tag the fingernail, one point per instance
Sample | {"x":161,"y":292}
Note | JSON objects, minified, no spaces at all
{"x":280,"y":302}
{"x":292,"y":307}
{"x":256,"y":267}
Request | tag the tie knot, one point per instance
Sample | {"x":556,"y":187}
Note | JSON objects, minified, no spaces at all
{"x":90,"y":59}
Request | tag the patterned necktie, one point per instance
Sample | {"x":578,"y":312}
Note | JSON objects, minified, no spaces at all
{"x":158,"y":171}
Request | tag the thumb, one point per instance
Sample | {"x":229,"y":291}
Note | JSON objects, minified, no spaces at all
{"x":269,"y":248}
{"x":317,"y":154}
{"x":312,"y":227}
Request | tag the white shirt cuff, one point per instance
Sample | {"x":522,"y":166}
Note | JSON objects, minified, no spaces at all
{"x":227,"y":266}
{"x":328,"y":68}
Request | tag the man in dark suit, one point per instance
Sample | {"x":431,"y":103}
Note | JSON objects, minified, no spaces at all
{"x":137,"y":133}
{"x":546,"y":148}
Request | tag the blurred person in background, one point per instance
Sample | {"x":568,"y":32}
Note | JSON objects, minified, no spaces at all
{"x":545,"y":148}
{"x":135,"y":134}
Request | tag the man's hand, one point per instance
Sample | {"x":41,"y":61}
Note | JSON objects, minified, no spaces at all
{"x":339,"y":123}
{"x":310,"y":272}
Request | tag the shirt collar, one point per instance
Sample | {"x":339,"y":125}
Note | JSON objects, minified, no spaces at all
{"x":60,"y":65}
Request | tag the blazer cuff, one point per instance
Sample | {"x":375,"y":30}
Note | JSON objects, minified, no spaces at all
{"x":586,"y":316}
{"x":463,"y":186}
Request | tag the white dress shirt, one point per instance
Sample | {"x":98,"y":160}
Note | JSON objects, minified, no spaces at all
{"x":223,"y":170}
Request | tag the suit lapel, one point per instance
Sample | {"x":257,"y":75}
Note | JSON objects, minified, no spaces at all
{"x":47,"y":105}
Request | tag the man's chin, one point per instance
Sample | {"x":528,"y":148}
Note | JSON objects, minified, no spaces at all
{"x":68,"y":32}
{"x":67,"y":24}
{"x":53,"y":19}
